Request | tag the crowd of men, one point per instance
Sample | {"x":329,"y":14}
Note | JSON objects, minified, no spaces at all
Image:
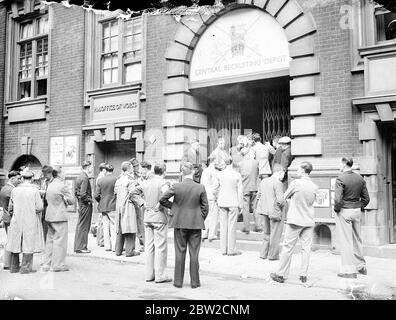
{"x":137,"y":206}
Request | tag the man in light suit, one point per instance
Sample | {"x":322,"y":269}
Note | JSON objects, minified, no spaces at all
{"x":104,"y":195}
{"x":249,"y":170}
{"x":188,"y":212}
{"x":229,"y":191}
{"x":262,"y":152}
{"x":209,"y":181}
{"x":58,"y":198}
{"x":83,"y":193}
{"x":220,"y":154}
{"x":300,"y":222}
{"x":270,"y":206}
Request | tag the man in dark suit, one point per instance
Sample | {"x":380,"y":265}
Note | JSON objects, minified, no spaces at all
{"x":44,"y":182}
{"x":192,"y":155}
{"x":14,"y":178}
{"x":350,"y":198}
{"x":104,"y":195}
{"x":188,"y":212}
{"x":83,"y":193}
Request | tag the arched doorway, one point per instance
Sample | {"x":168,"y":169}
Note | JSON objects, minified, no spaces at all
{"x":27,"y":160}
{"x":187,"y":117}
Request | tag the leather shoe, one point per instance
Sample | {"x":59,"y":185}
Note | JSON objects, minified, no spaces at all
{"x":273,"y":259}
{"x":277,"y":278}
{"x":245,"y":231}
{"x":257,"y":230}
{"x":149,"y":280}
{"x":303,"y":279}
{"x":83,"y":251}
{"x":177,"y":285}
{"x":60,"y":269}
{"x":164,"y":280}
{"x":363,"y":271}
{"x":211,"y":239}
{"x":236,"y":253}
{"x":6,"y":268}
{"x":347,"y":275}
{"x":194,"y":286}
{"x":135,"y":253}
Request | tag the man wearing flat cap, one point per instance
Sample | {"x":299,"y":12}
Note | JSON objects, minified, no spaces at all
{"x":26,"y":231}
{"x":188,"y":212}
{"x":83,"y":193}
{"x":284,"y":157}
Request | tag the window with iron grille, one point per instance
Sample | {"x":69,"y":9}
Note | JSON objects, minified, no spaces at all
{"x":33,"y":65}
{"x":121,"y":51}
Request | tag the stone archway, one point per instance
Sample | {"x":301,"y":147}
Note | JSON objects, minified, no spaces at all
{"x":185,"y":119}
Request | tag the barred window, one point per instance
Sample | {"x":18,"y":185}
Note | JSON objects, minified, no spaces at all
{"x":121,"y":52}
{"x":33,"y":58}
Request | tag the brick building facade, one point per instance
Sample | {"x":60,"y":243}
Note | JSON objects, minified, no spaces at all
{"x":122,"y":87}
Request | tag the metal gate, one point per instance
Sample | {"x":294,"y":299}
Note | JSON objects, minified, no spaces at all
{"x":226,"y":120}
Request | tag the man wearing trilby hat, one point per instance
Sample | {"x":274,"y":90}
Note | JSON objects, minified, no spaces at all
{"x":25,"y":231}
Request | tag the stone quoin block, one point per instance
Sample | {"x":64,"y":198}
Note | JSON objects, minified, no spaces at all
{"x":300,"y":27}
{"x":274,"y":6}
{"x":259,"y":3}
{"x":303,"y":126}
{"x":289,"y":12}
{"x":175,"y":85}
{"x":302,"y":47}
{"x":177,"y":51}
{"x":174,"y":151}
{"x":302,"y":86}
{"x":304,"y":106}
{"x":177,"y":68}
{"x":184,"y":118}
{"x":367,"y":130}
{"x":193,"y":22}
{"x":306,"y":146}
{"x":304,"y":66}
{"x":368,"y":165}
{"x":181,"y":134}
{"x":184,"y":35}
{"x":182,"y":101}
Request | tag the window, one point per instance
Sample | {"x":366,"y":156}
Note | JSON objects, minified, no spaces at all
{"x":385,"y":23}
{"x":121,"y":51}
{"x":33,"y":58}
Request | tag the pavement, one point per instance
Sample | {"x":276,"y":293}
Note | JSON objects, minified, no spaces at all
{"x":380,"y":283}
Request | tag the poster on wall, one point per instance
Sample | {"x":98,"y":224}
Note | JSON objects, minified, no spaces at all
{"x":71,"y":148}
{"x":64,"y":150}
{"x":56,"y":154}
{"x":322,"y":199}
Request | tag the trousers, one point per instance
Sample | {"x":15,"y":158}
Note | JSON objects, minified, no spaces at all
{"x":272,"y":236}
{"x":56,"y":245}
{"x":6,"y":254}
{"x":249,"y":204}
{"x":292,"y":234}
{"x":192,"y":239}
{"x":140,"y":224}
{"x":109,"y":235}
{"x":156,"y":249}
{"x":99,"y":234}
{"x":83,"y":226}
{"x":211,"y":221}
{"x":349,"y":240}
{"x":228,"y":223}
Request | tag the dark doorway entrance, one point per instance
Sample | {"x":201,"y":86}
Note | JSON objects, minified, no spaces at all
{"x":26,"y":160}
{"x":261,"y":106}
{"x":115,"y":152}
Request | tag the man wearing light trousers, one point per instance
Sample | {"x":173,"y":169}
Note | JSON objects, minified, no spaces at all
{"x":229,"y":191}
{"x":351,"y":197}
{"x":155,"y":226}
{"x":300,"y":222}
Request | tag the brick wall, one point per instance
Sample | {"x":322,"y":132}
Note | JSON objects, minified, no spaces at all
{"x":161,"y":30}
{"x":67,"y":72}
{"x":334,"y":86}
{"x":65,"y":89}
{"x":2,"y":72}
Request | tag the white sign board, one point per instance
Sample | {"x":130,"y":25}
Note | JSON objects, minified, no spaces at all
{"x":64,"y":150}
{"x":243,"y":42}
{"x":123,"y":106}
{"x":56,"y":148}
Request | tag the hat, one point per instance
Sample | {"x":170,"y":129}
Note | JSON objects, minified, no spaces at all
{"x":284,"y":140}
{"x":134,"y":162}
{"x":26,"y":173}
